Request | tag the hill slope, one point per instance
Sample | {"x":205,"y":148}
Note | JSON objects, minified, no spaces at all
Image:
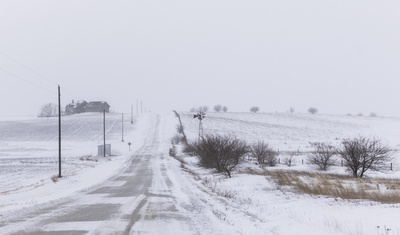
{"x":292,"y":132}
{"x":29,"y":150}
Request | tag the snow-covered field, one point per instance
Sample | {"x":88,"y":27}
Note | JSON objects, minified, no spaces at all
{"x":243,"y":204}
{"x":29,"y":156}
{"x":283,"y":211}
{"x":293,"y":132}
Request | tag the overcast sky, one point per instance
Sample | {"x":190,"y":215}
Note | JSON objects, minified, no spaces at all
{"x":339,"y":56}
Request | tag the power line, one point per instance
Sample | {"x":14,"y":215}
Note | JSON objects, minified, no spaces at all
{"x":22,"y":79}
{"x":33,"y":71}
{"x":27,"y":68}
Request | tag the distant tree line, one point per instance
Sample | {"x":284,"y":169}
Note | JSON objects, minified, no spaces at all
{"x":217,"y":108}
{"x":255,"y":109}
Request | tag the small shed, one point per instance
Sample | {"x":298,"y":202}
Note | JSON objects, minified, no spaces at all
{"x":100,"y":150}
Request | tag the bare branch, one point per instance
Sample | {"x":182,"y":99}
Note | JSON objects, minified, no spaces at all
{"x":264,"y":154}
{"x":362,"y":154}
{"x":322,"y":155}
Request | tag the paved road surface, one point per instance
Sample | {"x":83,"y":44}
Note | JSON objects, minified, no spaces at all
{"x":139,"y":200}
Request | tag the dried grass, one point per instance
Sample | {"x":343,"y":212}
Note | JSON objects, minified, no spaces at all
{"x":339,"y":186}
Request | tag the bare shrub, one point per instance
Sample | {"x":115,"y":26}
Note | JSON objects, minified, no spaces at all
{"x":291,"y":110}
{"x":362,"y":154}
{"x":312,"y":110}
{"x":222,"y":153}
{"x":189,"y":149}
{"x":288,"y":161}
{"x":219,"y":214}
{"x":172,"y":151}
{"x":264,"y":154}
{"x":214,"y":185}
{"x":225,"y":109}
{"x":322,"y":155}
{"x":254,"y":109}
{"x":176,"y":139}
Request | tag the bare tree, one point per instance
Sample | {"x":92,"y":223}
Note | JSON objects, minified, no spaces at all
{"x":373,"y":114}
{"x":222,"y":153}
{"x":312,"y":110}
{"x":203,"y":109}
{"x":291,"y":110}
{"x":181,"y":129}
{"x":322,"y":155}
{"x":218,"y":108}
{"x":193,"y":110}
{"x":362,"y":154}
{"x":48,"y":110}
{"x":225,"y":109}
{"x":254,"y":109}
{"x":264,"y":154}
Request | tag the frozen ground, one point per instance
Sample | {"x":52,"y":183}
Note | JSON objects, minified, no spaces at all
{"x":285,"y":212}
{"x":190,"y":200}
{"x":293,"y":132}
{"x":29,"y":156}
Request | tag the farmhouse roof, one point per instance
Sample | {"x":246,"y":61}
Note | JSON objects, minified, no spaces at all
{"x":77,"y":103}
{"x":96,"y":104}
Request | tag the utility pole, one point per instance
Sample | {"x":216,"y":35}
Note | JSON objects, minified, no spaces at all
{"x":137,"y":107}
{"x":122,"y":127}
{"x":59,"y":132}
{"x":104,"y":132}
{"x":132,"y":114}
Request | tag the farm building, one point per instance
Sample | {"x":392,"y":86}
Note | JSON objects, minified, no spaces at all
{"x":75,"y":107}
{"x":86,"y":107}
{"x":97,"y":106}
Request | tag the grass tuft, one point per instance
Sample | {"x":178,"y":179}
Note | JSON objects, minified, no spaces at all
{"x":340,"y":186}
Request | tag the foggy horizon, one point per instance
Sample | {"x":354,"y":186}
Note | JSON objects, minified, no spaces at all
{"x":340,"y":57}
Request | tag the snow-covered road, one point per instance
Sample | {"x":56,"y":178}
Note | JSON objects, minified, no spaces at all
{"x":148,"y":192}
{"x":149,"y":196}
